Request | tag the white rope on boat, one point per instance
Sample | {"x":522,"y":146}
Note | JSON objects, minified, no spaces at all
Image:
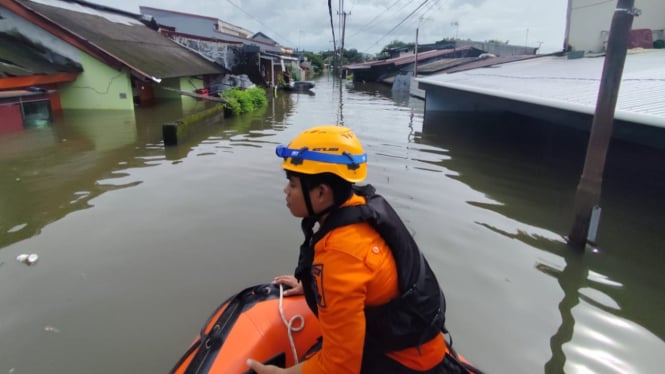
{"x":290,"y":329}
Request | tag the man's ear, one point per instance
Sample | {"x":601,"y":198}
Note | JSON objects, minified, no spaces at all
{"x":324,"y":189}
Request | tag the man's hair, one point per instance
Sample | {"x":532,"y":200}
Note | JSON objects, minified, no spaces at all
{"x":341,"y":188}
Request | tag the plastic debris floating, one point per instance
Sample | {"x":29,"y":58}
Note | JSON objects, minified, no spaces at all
{"x":28,"y":259}
{"x":51,"y":329}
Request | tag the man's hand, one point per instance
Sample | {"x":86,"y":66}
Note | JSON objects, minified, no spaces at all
{"x":259,"y":368}
{"x":295,"y":287}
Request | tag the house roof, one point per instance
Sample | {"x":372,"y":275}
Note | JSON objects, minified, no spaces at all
{"x":21,"y":57}
{"x":121,"y":40}
{"x":467,"y":63}
{"x":25,"y":64}
{"x":264,"y":38}
{"x":202,"y":26}
{"x":408,"y":59}
{"x":570,"y":84}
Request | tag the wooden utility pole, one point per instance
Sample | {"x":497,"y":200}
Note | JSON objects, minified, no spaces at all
{"x":589,"y":187}
{"x":415,"y":51}
{"x":341,"y":53}
{"x":415,"y":61}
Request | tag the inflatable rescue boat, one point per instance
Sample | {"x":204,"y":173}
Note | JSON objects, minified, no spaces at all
{"x":261,"y":324}
{"x":256,"y":323}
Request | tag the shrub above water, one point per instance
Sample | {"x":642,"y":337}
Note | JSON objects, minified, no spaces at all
{"x":244,"y":101}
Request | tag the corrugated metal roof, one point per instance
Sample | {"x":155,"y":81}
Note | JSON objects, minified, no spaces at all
{"x":408,"y":59}
{"x":193,"y":24}
{"x":452,"y":65}
{"x":128,"y":40}
{"x":571,"y":84}
{"x":20,"y":57}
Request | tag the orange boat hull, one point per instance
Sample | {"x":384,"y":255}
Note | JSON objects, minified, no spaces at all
{"x":258,"y":332}
{"x":250,"y":325}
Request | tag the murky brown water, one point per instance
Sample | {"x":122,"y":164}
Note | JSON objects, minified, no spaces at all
{"x":137,"y":244}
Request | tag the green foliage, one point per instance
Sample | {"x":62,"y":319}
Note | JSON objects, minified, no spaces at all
{"x":353,"y":56}
{"x":244,"y":101}
{"x":382,"y":55}
{"x":397,"y":44}
{"x":258,"y":97}
{"x":327,"y":56}
{"x":316,"y":60}
{"x":232,"y":104}
{"x":280,"y":80}
{"x":295,"y":72}
{"x":494,"y":41}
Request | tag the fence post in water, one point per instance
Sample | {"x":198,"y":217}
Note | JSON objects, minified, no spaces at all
{"x":589,"y":187}
{"x":174,"y":132}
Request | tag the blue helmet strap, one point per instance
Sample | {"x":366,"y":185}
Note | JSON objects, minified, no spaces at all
{"x":297,"y":157}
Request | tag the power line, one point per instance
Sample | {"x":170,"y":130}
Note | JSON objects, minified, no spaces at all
{"x":593,"y":4}
{"x":369,"y":24}
{"x":400,"y":23}
{"x":260,"y":22}
{"x":415,"y":21}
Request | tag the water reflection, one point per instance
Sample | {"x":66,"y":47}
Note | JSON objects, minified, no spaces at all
{"x":529,"y":170}
{"x":489,"y":203}
{"x":51,"y":171}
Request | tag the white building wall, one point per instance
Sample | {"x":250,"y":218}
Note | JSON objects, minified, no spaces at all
{"x":590,"y":21}
{"x":233,"y":29}
{"x":220,"y":52}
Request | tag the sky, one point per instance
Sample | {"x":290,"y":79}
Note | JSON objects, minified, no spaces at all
{"x":372,"y":24}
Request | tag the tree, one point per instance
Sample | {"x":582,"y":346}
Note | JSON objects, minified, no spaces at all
{"x":353,"y":56}
{"x":316,"y":60}
{"x":397,"y":44}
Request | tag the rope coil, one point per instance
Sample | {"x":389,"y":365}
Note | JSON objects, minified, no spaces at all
{"x":290,"y":328}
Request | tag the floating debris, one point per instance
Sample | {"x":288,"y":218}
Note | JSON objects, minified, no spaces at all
{"x":17,"y":228}
{"x":28,"y":259}
{"x":51,"y":329}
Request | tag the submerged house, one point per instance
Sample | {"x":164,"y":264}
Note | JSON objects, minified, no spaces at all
{"x":433,"y":58}
{"x":29,"y":77}
{"x":563,"y":87}
{"x":88,"y":56}
{"x":237,"y":49}
{"x":382,"y":70}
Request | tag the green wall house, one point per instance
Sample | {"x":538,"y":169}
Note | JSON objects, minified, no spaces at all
{"x":122,"y":61}
{"x":98,"y":87}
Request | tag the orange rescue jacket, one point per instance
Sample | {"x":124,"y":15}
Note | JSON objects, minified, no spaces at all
{"x":353,"y":268}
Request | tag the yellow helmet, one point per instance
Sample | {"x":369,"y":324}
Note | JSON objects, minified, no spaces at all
{"x":326,"y":149}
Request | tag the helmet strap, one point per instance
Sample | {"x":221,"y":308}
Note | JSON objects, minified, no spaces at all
{"x":304,"y":185}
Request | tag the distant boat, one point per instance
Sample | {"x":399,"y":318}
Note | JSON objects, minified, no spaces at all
{"x":299,"y":86}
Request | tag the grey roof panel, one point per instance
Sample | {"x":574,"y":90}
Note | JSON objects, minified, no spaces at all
{"x":571,"y":84}
{"x":21,"y":57}
{"x":130,"y":41}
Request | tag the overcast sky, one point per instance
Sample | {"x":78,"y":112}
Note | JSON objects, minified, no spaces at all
{"x":371,"y":24}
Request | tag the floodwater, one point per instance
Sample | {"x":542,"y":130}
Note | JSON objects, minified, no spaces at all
{"x":137,"y":244}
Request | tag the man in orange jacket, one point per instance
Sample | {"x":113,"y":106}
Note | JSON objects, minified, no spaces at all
{"x":378,"y":303}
